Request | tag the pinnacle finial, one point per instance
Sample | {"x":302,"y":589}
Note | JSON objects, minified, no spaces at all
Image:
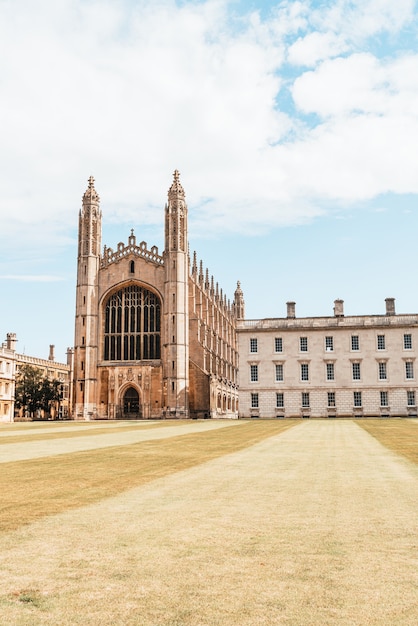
{"x":91,"y":194}
{"x":176,"y":188}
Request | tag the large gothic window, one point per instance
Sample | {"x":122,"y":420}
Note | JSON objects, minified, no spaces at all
{"x":132,"y":325}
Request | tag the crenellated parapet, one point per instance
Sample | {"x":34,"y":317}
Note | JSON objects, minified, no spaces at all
{"x":122,"y":251}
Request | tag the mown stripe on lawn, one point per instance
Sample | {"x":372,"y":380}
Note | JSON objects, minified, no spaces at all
{"x":398,"y":435}
{"x":98,"y":430}
{"x":39,"y":487}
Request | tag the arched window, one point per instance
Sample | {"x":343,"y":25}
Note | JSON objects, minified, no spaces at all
{"x":132,"y":329}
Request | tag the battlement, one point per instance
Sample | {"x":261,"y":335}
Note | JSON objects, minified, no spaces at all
{"x":122,"y":251}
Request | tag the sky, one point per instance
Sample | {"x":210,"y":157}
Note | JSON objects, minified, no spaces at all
{"x":294,"y":125}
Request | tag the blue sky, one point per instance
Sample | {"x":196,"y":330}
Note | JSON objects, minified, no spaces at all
{"x":294,"y":125}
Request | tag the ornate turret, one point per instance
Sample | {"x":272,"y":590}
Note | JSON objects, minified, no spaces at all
{"x":176,"y":217}
{"x":176,"y":311}
{"x":86,"y":319}
{"x":239,"y":304}
{"x":90,"y":222}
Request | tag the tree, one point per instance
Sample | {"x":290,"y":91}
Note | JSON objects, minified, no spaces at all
{"x":35,"y":392}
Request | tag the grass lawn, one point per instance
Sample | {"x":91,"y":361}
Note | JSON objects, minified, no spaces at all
{"x":267,"y":523}
{"x":35,"y":488}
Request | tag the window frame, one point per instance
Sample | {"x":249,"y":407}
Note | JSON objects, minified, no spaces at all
{"x":278,"y":344}
{"x":255,"y":400}
{"x":254,"y":373}
{"x":330,"y":371}
{"x":329,"y":343}
{"x":384,"y":399}
{"x":279,"y":400}
{"x":279,"y":372}
{"x":305,"y":400}
{"x":409,"y":370}
{"x":407,"y":339}
{"x":253,"y":343}
{"x":382,"y":370}
{"x":356,"y":370}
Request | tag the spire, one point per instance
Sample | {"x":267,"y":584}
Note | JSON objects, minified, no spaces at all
{"x":238,"y":303}
{"x":176,"y":218}
{"x":90,"y":224}
{"x":90,"y":195}
{"x":176,"y":190}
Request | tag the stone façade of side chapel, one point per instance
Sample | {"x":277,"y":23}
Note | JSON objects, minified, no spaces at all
{"x":154,"y":336}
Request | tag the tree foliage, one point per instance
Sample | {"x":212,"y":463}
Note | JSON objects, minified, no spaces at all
{"x":34,"y":392}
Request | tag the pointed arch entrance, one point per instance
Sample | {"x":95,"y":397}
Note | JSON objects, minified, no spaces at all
{"x":131,"y":404}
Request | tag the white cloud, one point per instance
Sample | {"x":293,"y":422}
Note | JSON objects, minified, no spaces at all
{"x":130,"y":91}
{"x":314,"y":47}
{"x":359,"y":19}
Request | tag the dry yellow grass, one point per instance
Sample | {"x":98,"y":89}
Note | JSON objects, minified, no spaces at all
{"x":399,"y":435}
{"x":39,"y":487}
{"x":314,"y":527}
{"x":94,"y":430}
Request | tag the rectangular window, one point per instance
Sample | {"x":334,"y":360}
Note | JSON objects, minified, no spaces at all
{"x":410,"y":397}
{"x":356,"y":371}
{"x":303,"y":344}
{"x":329,"y":344}
{"x":407,"y":342}
{"x":279,"y":372}
{"x":381,"y":344}
{"x":355,"y":343}
{"x":279,"y":401}
{"x":357,"y":398}
{"x":382,"y":371}
{"x":305,"y":399}
{"x":254,"y":400}
{"x":331,"y":398}
{"x":330,"y":371}
{"x":254,"y":373}
{"x":278,"y":344}
{"x":304,"y":371}
{"x":409,"y":369}
{"x":253,"y":345}
{"x":384,"y":398}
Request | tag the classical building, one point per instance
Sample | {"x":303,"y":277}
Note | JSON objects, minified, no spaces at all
{"x":7,"y":378}
{"x":154,"y":335}
{"x":333,"y":366}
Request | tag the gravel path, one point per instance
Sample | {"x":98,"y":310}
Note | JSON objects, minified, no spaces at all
{"x":316,"y":526}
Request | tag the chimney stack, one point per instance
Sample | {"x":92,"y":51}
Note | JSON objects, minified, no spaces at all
{"x":339,"y":308}
{"x":51,"y":353}
{"x":291,"y":310}
{"x":11,"y":341}
{"x":390,"y":306}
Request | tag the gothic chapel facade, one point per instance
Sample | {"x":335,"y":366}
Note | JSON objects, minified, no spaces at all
{"x":154,"y":336}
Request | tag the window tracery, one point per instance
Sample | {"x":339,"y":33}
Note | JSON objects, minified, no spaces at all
{"x":132,"y":328}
